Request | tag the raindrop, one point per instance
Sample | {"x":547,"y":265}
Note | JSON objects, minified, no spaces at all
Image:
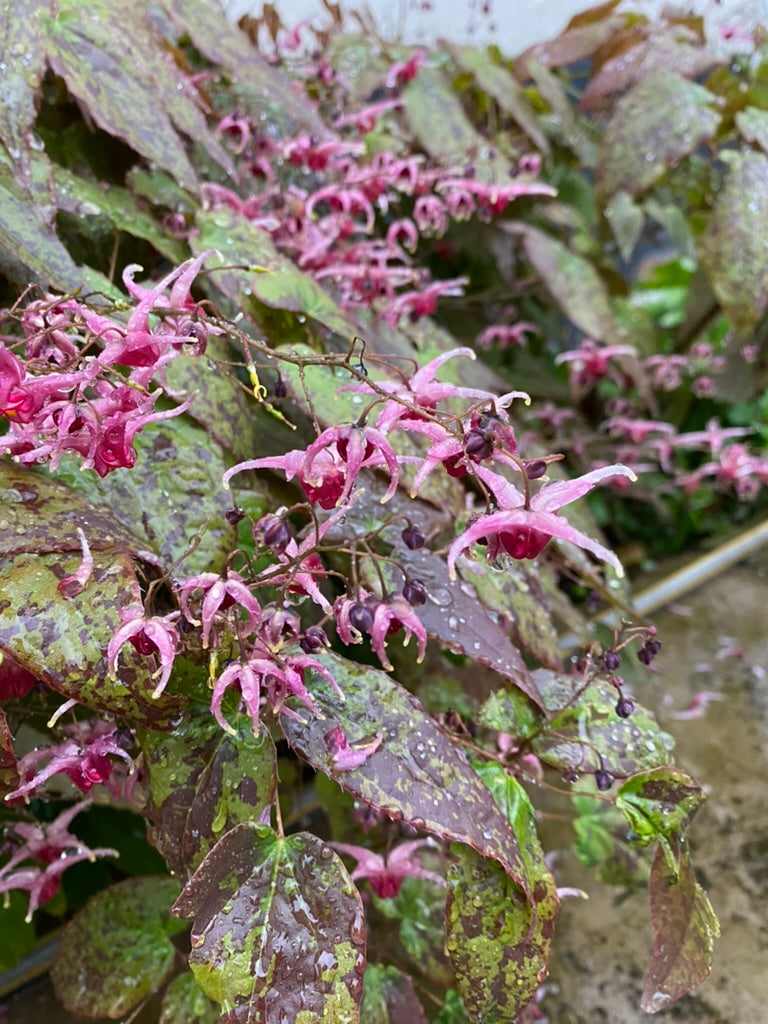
{"x":453,"y":623}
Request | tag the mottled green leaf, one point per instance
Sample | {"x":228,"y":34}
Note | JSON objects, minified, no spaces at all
{"x":173,"y":494}
{"x":497,"y":941}
{"x":572,"y":281}
{"x":117,"y":950}
{"x":583,"y":727}
{"x":184,"y":1003}
{"x":734,"y":246}
{"x":417,"y":774}
{"x":22,"y":59}
{"x":664,"y":118}
{"x":560,"y":122}
{"x":267,"y":276}
{"x":86,"y":198}
{"x":279,"y":930}
{"x":224,"y":44}
{"x":659,"y":803}
{"x":510,"y":711}
{"x":63,"y":641}
{"x":389,"y":997}
{"x":452,"y":1011}
{"x":9,"y":773}
{"x":752,"y":122}
{"x":29,"y":245}
{"x":203,"y":782}
{"x":499,"y":83}
{"x":437,"y":119}
{"x":627,"y":221}
{"x":38,"y":513}
{"x":111,"y":73}
{"x":685,"y":927}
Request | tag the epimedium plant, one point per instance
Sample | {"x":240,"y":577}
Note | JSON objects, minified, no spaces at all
{"x":231,"y":491}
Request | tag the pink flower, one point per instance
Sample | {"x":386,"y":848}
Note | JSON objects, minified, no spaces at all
{"x":84,"y":759}
{"x":219,"y":594}
{"x":379,"y":619}
{"x":344,"y":757}
{"x":77,"y":581}
{"x":155,"y":635}
{"x":328,"y":469}
{"x":53,"y":848}
{"x":386,"y":874}
{"x":523,"y":529}
{"x":505,"y":336}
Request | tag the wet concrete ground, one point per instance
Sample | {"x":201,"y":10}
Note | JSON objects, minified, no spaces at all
{"x":602,"y":945}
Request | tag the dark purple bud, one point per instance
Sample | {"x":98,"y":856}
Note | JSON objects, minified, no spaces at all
{"x":654,"y":646}
{"x":603,"y":779}
{"x":646,"y":654}
{"x":415,"y":592}
{"x":535,"y":469}
{"x":478,"y":445}
{"x":361,"y":617}
{"x":313,"y":639}
{"x":234,"y":515}
{"x":624,"y":707}
{"x":413,"y":538}
{"x":277,"y":534}
{"x":185,"y":626}
{"x":124,"y":737}
{"x":280,"y":390}
{"x":570,"y":775}
{"x":611,"y":660}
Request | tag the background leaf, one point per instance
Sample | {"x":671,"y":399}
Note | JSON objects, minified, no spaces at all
{"x":184,"y":1003}
{"x":279,"y":931}
{"x":117,"y":950}
{"x":389,"y":997}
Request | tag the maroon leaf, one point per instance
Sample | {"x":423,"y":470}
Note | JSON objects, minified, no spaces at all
{"x":279,"y":930}
{"x":417,"y":774}
{"x":203,"y":782}
{"x":686,"y":928}
{"x":9,"y":774}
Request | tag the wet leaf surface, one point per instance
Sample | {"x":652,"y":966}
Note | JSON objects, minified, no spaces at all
{"x":660,"y":803}
{"x":664,"y":118}
{"x":117,"y":950}
{"x":498,"y":942}
{"x":389,"y":997}
{"x":267,"y":275}
{"x":63,"y":641}
{"x":184,"y":1003}
{"x":437,"y":119}
{"x":39,"y":514}
{"x":173,"y":494}
{"x":203,"y":782}
{"x":734,"y":247}
{"x":579,"y":734}
{"x":111,"y":74}
{"x":419,"y":909}
{"x":279,"y":930}
{"x":753,"y":125}
{"x":572,"y":281}
{"x":22,"y":59}
{"x":9,"y":774}
{"x":417,"y":774}
{"x":685,"y":927}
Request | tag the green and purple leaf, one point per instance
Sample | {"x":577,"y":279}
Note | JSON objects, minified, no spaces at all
{"x":659,"y":804}
{"x":498,"y":942}
{"x":417,"y":774}
{"x":184,"y":1003}
{"x":203,"y":782}
{"x":685,"y":927}
{"x":279,"y":931}
{"x":117,"y":951}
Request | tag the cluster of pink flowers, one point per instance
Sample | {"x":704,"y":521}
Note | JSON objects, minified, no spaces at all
{"x":80,"y":381}
{"x":321,"y":200}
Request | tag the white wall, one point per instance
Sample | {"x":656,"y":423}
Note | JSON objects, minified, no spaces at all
{"x":512,"y":24}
